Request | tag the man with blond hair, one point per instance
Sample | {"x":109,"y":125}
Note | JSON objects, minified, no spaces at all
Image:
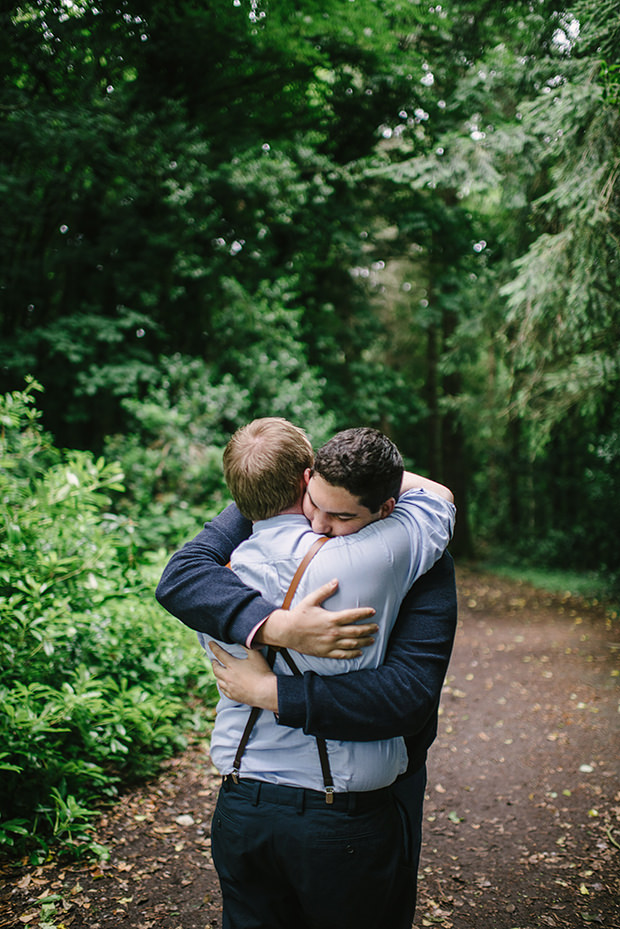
{"x":264,"y":463}
{"x":285,"y":856}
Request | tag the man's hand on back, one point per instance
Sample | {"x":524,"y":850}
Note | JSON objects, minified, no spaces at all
{"x":311,"y":630}
{"x":245,"y":680}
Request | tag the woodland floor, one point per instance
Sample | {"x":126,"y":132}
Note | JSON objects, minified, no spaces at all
{"x":522,"y":817}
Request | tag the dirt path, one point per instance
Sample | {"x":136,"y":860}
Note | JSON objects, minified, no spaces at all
{"x":523,"y":812}
{"x":522,"y":819}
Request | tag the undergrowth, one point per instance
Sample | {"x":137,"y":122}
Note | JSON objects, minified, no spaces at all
{"x":97,"y":683}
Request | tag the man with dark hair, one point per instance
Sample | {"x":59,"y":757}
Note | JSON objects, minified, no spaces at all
{"x":362,"y":769}
{"x":365,"y":462}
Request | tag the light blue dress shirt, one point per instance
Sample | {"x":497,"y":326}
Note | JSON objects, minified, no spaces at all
{"x":375,"y":567}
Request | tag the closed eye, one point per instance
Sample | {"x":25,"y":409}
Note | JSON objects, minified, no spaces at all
{"x":343,"y":517}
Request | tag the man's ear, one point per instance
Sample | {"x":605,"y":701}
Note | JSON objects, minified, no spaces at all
{"x":307,"y":476}
{"x":386,"y":508}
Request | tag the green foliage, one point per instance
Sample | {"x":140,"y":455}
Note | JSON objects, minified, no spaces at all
{"x":94,"y":678}
{"x":562,"y":310}
{"x":172,"y":457}
{"x":589,"y":585}
{"x":385,"y":213}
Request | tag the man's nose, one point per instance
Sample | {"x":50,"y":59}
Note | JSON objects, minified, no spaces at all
{"x":321,"y":523}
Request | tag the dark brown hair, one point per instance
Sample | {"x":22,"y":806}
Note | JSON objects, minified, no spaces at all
{"x":363,"y":461}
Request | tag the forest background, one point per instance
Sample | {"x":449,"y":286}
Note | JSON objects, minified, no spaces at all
{"x":380,"y":212}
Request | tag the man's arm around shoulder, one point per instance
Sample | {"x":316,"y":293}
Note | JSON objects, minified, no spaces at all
{"x":400,"y":696}
{"x":198,"y":588}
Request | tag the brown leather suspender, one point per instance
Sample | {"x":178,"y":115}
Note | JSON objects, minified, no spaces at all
{"x":305,"y":561}
{"x":271,"y":656}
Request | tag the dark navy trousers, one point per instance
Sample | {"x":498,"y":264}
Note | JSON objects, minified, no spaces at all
{"x":409,"y":794}
{"x":288,"y":860}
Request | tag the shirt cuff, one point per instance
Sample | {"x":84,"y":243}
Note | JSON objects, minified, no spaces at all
{"x":250,"y":639}
{"x":248,"y":620}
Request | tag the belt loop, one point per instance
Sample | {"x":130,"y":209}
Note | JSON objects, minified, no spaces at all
{"x":256,"y":798}
{"x":351,"y":804}
{"x":301,"y":797}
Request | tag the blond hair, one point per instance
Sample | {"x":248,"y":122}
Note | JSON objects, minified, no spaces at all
{"x":264,"y":463}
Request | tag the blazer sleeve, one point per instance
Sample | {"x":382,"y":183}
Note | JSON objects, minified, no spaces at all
{"x":198,"y":588}
{"x":401,"y":696}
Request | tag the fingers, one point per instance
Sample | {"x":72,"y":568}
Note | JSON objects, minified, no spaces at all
{"x":347,"y":624}
{"x":316,"y":597}
{"x":363,"y":633}
{"x":341,"y":653}
{"x":353,"y":616}
{"x":256,"y":659}
{"x":346,"y":648}
{"x":225,"y":658}
{"x":218,"y":671}
{"x":219,"y":655}
{"x":350,"y":644}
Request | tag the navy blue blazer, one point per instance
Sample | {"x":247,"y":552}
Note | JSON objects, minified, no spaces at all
{"x":399,"y":698}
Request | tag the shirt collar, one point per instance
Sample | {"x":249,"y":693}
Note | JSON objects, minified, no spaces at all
{"x":288,"y":520}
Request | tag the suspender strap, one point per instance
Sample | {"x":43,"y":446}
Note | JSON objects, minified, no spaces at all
{"x":319,"y":543}
{"x":254,"y":714}
{"x":271,"y":656}
{"x":328,"y":781}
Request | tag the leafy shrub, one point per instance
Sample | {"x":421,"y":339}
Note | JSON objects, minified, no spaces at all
{"x":172,"y":456}
{"x":97,"y":683}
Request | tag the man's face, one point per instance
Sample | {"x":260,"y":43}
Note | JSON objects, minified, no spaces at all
{"x":334,"y":511}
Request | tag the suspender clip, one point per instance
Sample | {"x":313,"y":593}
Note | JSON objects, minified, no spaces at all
{"x":235,"y":775}
{"x":329,"y":795}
